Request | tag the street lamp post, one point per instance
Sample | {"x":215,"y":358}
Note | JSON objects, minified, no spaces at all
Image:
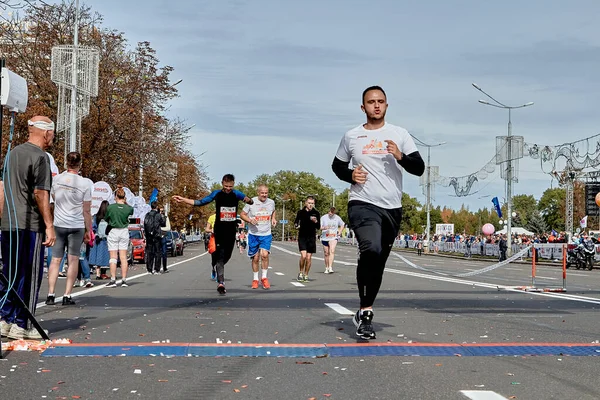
{"x":509,"y":171}
{"x":428,"y":185}
{"x":283,"y":217}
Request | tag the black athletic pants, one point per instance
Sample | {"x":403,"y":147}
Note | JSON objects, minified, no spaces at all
{"x":222,"y":255}
{"x":153,"y":253}
{"x":376,"y":229}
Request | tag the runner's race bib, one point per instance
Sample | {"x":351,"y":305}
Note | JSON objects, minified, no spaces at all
{"x":228,"y":214}
{"x":263,"y":216}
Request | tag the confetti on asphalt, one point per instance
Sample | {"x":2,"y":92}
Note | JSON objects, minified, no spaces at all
{"x":137,"y":371}
{"x":258,"y":378}
{"x":236,"y":390}
{"x":244,"y":386}
{"x":163,"y":380}
{"x":226,"y":381}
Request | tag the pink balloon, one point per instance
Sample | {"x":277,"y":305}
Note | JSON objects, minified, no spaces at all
{"x":488,"y":229}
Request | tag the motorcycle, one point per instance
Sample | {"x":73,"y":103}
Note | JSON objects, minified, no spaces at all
{"x":588,"y":251}
{"x":575,"y":256}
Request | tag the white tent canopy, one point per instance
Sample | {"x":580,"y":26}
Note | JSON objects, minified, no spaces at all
{"x":515,"y":230}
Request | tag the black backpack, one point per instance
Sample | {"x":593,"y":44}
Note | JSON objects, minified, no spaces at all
{"x":152,"y":223}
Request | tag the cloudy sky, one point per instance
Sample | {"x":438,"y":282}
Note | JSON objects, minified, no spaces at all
{"x":274,"y":84}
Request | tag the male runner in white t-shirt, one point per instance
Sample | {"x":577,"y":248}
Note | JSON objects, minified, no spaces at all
{"x":331,"y":229}
{"x":72,"y":196}
{"x":260,"y":217}
{"x":379,"y":153}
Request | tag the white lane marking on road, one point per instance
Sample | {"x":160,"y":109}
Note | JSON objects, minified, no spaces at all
{"x":561,"y":296}
{"x":482,"y":395}
{"x":297,"y":284}
{"x":129,"y":278}
{"x":279,"y":273}
{"x":545,"y":277}
{"x":339,"y":309}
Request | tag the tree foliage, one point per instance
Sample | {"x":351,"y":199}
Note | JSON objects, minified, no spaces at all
{"x":126,"y":127}
{"x":552,"y":208}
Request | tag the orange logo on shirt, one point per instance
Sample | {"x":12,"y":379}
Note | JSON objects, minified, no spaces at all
{"x":374,"y":147}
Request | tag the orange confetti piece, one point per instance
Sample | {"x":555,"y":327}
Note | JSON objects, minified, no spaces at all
{"x":141,"y":334}
{"x":327,"y":395}
{"x":438,"y":365}
{"x":75,"y":397}
{"x":236,"y":390}
{"x":226,"y":381}
{"x":312,"y":398}
{"x":244,"y":386}
{"x":324,"y":373}
{"x":163,"y":380}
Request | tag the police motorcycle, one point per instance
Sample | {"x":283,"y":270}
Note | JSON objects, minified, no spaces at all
{"x":581,"y":255}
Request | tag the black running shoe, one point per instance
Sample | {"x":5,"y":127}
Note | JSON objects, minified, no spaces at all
{"x":68,"y":301}
{"x":50,"y":300}
{"x":363,"y":322}
{"x":221,"y":289}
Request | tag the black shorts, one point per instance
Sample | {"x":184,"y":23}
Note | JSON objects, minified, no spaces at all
{"x":308,"y":244}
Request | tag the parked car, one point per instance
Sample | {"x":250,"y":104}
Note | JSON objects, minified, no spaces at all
{"x":174,"y":243}
{"x":138,"y":241}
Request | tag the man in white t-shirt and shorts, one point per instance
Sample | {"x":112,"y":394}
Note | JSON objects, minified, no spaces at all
{"x":72,"y":196}
{"x":260,"y":217}
{"x":372,"y":158}
{"x":331,"y":229}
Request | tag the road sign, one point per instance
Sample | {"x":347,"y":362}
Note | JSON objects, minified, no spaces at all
{"x":283,"y":221}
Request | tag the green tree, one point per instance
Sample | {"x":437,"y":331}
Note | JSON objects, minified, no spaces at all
{"x":552,"y":208}
{"x":524,"y":205}
{"x":536,"y":223}
{"x":411,"y":215}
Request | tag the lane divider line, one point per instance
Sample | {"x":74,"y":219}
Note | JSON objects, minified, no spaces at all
{"x":561,"y":296}
{"x":129,"y":278}
{"x":339,"y":309}
{"x":482,"y":395}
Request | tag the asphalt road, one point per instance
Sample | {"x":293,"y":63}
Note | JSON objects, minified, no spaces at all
{"x":415,"y":307}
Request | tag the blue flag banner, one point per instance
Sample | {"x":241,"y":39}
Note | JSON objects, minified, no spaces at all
{"x":497,"y":206}
{"x":153,"y":196}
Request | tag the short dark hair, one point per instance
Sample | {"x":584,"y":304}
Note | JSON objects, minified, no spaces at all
{"x":367,"y":90}
{"x":73,"y":160}
{"x":310,"y":198}
{"x":332,"y":209}
{"x":154,"y":205}
{"x":228,"y":178}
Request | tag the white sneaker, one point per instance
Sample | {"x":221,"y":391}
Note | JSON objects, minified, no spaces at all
{"x":5,"y":328}
{"x":16,"y":332}
{"x":331,"y":270}
{"x":326,"y":270}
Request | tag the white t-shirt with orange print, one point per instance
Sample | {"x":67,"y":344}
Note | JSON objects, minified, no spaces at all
{"x":262,"y":212}
{"x":383,"y":187}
